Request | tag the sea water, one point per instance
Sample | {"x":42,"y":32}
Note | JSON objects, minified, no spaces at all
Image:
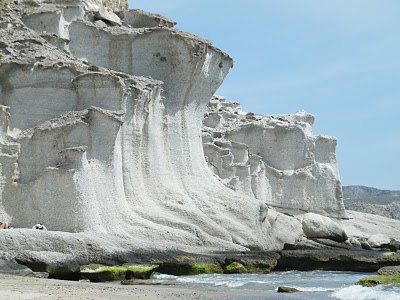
{"x":313,"y":285}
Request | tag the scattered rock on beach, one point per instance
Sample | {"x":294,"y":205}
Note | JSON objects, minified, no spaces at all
{"x":390,"y":271}
{"x":378,"y":280}
{"x":12,"y":268}
{"x":285,"y":289}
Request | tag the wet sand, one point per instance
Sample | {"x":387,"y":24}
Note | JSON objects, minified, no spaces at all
{"x":16,"y":288}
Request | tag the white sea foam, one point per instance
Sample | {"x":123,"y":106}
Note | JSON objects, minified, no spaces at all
{"x":357,"y":292}
{"x":313,"y":289}
{"x":211,"y":281}
{"x":317,"y":284}
{"x":230,"y":284}
{"x":163,"y":276}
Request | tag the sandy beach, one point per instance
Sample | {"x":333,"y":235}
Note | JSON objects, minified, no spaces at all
{"x":13,"y":287}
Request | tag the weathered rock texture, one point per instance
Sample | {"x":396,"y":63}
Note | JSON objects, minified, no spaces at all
{"x":101,"y":118}
{"x":316,"y":226}
{"x":365,"y":225}
{"x":276,"y":159}
{"x":89,"y":149}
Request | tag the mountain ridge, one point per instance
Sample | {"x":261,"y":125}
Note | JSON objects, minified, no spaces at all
{"x":385,"y":203}
{"x":360,"y":191}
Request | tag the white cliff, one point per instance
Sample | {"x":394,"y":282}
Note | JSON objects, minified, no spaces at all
{"x":102,"y":139}
{"x":276,"y":159}
{"x":102,"y":151}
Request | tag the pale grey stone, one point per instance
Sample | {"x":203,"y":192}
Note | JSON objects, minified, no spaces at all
{"x":377,"y":240}
{"x":276,"y":159}
{"x":12,"y":268}
{"x":100,"y":24}
{"x":354,"y":242}
{"x":317,"y":226}
{"x":108,"y":15}
{"x":137,"y":18}
{"x":100,"y":137}
{"x":363,"y":225}
{"x":389,"y":271}
{"x":40,"y":275}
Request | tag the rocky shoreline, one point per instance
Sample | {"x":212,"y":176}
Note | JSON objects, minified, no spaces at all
{"x":103,"y":141}
{"x":133,"y":281}
{"x":73,"y":256}
{"x":193,"y":264}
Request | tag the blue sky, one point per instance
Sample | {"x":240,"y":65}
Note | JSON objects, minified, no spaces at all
{"x":339,"y":60}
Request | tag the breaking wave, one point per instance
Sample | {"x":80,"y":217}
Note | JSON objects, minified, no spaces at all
{"x":357,"y":292}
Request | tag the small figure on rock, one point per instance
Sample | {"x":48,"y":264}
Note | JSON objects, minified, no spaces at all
{"x":39,"y":227}
{"x":4,"y":225}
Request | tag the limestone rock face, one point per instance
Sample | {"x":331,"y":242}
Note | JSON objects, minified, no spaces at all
{"x":100,"y":140}
{"x":88,"y":145}
{"x":378,"y":240}
{"x":276,"y":159}
{"x":364,"y":225}
{"x":317,"y":226}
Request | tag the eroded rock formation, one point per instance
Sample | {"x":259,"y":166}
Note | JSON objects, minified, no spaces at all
{"x":88,"y":146}
{"x":276,"y":159}
{"x":102,"y":140}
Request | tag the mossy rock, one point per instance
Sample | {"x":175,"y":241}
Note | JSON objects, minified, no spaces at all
{"x":139,"y":271}
{"x":236,"y":268}
{"x":64,"y":273}
{"x":377,"y":280}
{"x":191,"y":265}
{"x":206,"y":268}
{"x":258,"y":266}
{"x":257,"y":262}
{"x":190,"y":268}
{"x":101,"y":273}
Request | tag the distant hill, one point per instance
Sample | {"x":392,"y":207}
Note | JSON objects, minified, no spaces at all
{"x":362,"y":192}
{"x":371,"y":200}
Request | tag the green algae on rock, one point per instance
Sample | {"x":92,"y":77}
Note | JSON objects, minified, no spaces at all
{"x":139,"y":271}
{"x":236,"y":268}
{"x":377,"y":280}
{"x":194,"y":268}
{"x":206,"y":268}
{"x":101,"y":273}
